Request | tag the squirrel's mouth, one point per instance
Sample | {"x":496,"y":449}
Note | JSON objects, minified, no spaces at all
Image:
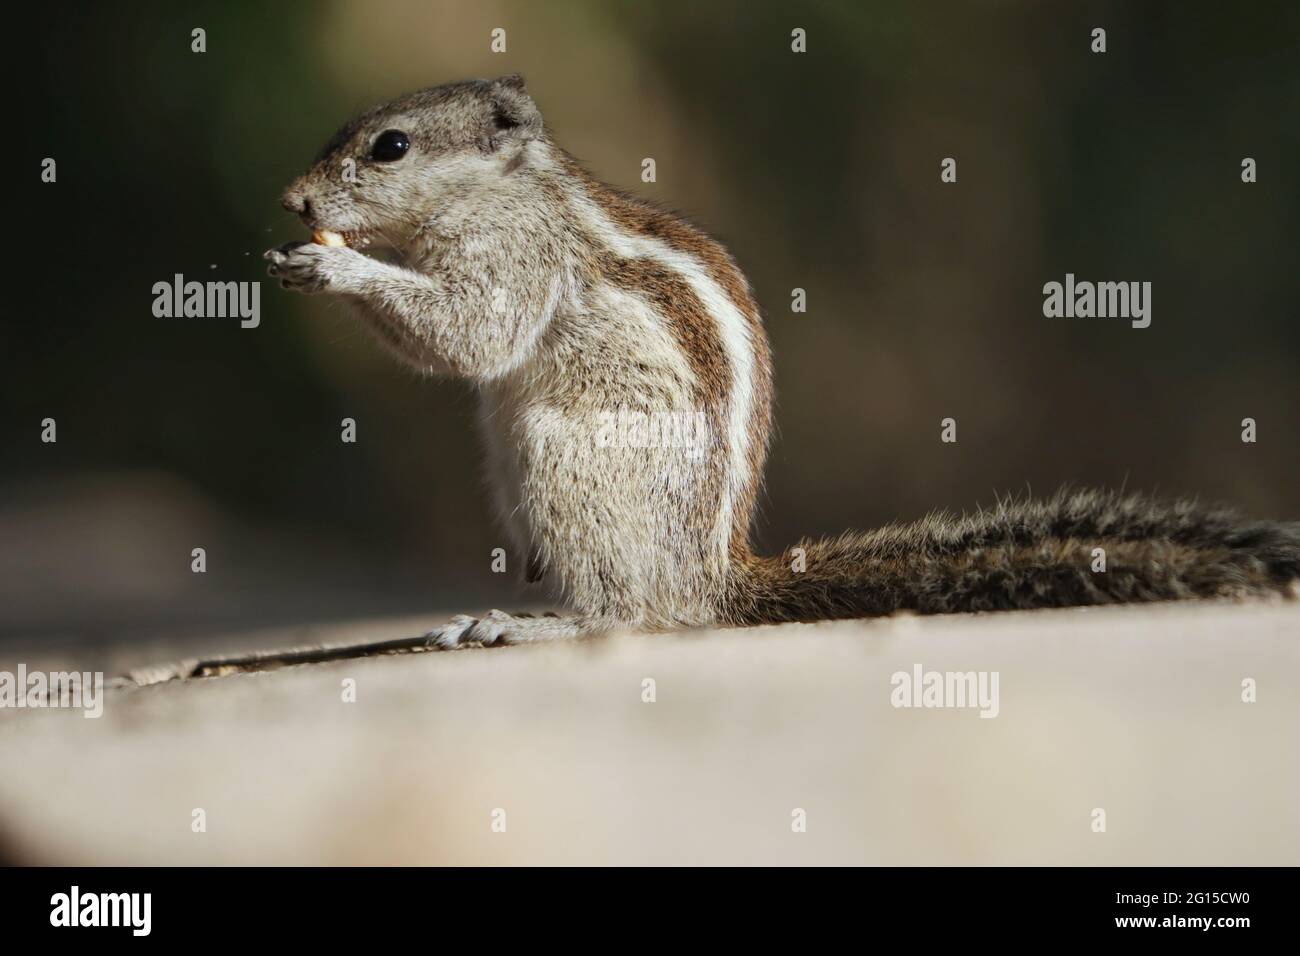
{"x":355,"y":239}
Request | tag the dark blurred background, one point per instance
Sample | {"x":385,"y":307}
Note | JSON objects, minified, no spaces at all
{"x":820,"y":171}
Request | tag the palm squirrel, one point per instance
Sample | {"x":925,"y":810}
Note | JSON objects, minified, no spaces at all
{"x":587,"y":319}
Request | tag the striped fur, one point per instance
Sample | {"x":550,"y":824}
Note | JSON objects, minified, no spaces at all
{"x":567,"y":302}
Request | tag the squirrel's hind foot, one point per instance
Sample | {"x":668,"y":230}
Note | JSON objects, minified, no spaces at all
{"x":498,"y":629}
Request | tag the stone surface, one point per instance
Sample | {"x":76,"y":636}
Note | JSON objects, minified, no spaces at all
{"x":1137,"y":711}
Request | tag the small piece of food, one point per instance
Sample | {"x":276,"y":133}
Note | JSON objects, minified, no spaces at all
{"x":323,"y":237}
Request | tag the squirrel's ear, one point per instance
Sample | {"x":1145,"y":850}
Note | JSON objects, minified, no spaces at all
{"x":514,"y":114}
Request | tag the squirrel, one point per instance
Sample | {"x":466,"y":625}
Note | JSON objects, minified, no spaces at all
{"x":573,"y":307}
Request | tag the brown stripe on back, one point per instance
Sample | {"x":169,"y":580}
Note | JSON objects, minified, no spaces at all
{"x":672,"y":297}
{"x":644,"y":219}
{"x":692,"y":326}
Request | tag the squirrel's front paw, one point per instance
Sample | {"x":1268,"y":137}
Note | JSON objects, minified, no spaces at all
{"x":308,"y":267}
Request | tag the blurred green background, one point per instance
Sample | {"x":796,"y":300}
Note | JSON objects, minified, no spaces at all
{"x":819,"y":171}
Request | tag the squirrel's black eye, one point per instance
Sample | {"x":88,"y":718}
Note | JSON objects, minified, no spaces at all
{"x":390,"y":146}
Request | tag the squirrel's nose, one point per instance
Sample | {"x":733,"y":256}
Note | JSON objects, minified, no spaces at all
{"x":296,"y":202}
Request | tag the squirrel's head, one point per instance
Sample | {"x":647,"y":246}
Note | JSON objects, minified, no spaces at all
{"x":392,"y":170}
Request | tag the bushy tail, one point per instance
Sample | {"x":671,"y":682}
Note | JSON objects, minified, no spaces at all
{"x":1025,"y":554}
